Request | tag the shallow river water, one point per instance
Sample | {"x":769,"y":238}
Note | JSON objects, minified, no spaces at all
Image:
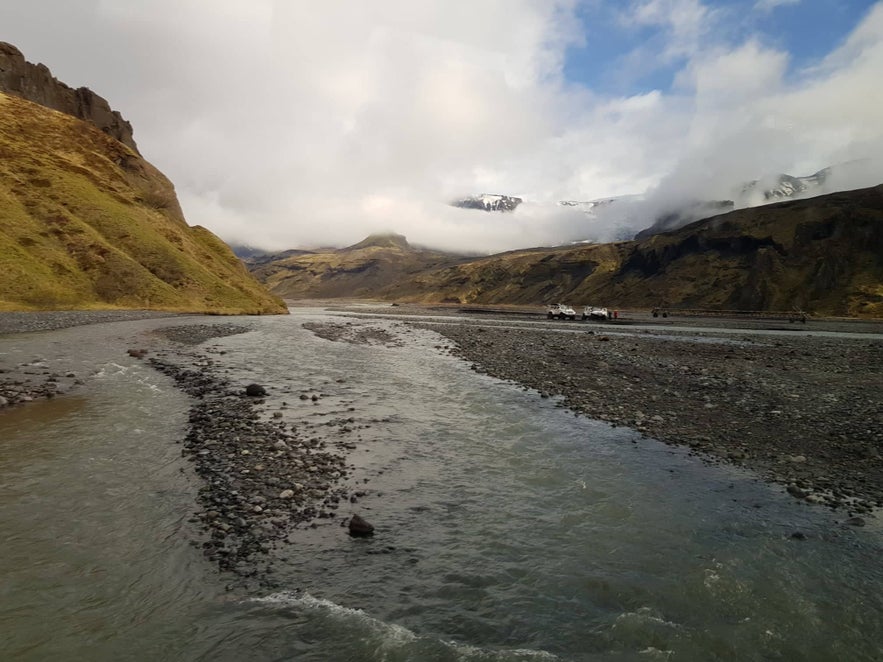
{"x":507,"y":527}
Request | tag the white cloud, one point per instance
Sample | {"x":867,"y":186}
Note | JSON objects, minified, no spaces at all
{"x":749,"y":121}
{"x":770,"y":5}
{"x":687,"y":23}
{"x":293,"y":123}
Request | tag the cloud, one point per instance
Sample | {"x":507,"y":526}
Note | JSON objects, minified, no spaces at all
{"x":750,"y":122}
{"x":287,"y":124}
{"x":686,"y":22}
{"x":770,"y":5}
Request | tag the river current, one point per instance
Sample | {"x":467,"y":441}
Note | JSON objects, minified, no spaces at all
{"x":507,"y":528}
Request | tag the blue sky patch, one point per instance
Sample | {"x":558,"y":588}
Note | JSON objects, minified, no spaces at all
{"x":619,"y":56}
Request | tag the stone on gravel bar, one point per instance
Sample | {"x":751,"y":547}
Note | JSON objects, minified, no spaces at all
{"x":255,"y":390}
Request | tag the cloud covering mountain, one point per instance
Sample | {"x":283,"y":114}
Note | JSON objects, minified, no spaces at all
{"x":297,"y":123}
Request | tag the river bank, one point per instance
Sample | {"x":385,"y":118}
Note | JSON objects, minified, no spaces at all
{"x":802,"y":411}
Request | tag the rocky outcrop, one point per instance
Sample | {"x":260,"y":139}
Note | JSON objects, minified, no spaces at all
{"x":36,"y":83}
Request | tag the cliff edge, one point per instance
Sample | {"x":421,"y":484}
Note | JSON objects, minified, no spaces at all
{"x":36,"y":83}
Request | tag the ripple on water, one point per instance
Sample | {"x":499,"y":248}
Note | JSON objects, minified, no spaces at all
{"x":376,"y":639}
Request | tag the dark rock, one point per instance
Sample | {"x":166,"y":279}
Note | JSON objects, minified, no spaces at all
{"x":255,"y":390}
{"x":798,"y":535}
{"x":36,"y":83}
{"x":795,"y":491}
{"x":856,"y":521}
{"x":359,"y":527}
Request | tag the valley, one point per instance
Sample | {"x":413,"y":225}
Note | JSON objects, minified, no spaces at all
{"x":823,"y":256}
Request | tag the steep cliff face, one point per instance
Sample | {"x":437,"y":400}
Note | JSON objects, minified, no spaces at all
{"x":36,"y":83}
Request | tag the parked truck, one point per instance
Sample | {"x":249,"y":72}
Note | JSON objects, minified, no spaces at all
{"x":561,"y":311}
{"x":596,"y":313}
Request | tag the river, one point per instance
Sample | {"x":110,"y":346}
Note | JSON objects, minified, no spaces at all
{"x":507,"y":527}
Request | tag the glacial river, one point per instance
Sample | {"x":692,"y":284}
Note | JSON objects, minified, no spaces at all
{"x":507,"y":527}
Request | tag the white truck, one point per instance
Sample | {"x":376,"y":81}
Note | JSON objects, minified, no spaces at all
{"x":561,"y":311}
{"x":595,"y":313}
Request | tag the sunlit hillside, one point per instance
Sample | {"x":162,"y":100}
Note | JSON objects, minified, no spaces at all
{"x":87,"y":223}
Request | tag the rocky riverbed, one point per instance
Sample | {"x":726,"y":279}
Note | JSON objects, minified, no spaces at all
{"x":803,"y":411}
{"x":262,"y":478}
{"x":33,"y":378}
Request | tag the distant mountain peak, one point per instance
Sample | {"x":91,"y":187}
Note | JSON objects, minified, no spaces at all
{"x":382,"y":240}
{"x":488,"y":202}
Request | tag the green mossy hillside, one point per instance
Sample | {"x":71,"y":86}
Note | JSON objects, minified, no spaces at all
{"x":85,"y":222}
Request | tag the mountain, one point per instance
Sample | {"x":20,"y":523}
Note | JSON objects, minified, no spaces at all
{"x":755,"y":193}
{"x":686,"y":213}
{"x":362,"y":270}
{"x":86,"y":222}
{"x":823,"y":255}
{"x":844,"y":176}
{"x":622,"y":216}
{"x":785,"y":186}
{"x":255,"y":256}
{"x":488,"y":202}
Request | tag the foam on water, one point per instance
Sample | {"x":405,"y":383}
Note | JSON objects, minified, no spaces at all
{"x":392,"y":639}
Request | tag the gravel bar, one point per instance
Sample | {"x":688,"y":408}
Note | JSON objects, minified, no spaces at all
{"x":803,"y":411}
{"x":260,"y":478}
{"x":27,"y":322}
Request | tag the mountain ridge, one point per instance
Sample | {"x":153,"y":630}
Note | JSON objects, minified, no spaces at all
{"x":625,"y":212}
{"x":823,"y":255}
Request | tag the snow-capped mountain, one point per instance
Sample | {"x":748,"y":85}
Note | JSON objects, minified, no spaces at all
{"x":591,"y":206}
{"x":663,"y":209}
{"x":488,"y":202}
{"x":783,"y":187}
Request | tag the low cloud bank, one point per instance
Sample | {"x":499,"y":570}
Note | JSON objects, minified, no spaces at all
{"x":292,"y":124}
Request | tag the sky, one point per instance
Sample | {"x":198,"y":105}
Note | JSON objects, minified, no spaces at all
{"x":299,"y":124}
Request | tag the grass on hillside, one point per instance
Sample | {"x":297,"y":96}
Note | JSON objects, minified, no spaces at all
{"x":85,"y":222}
